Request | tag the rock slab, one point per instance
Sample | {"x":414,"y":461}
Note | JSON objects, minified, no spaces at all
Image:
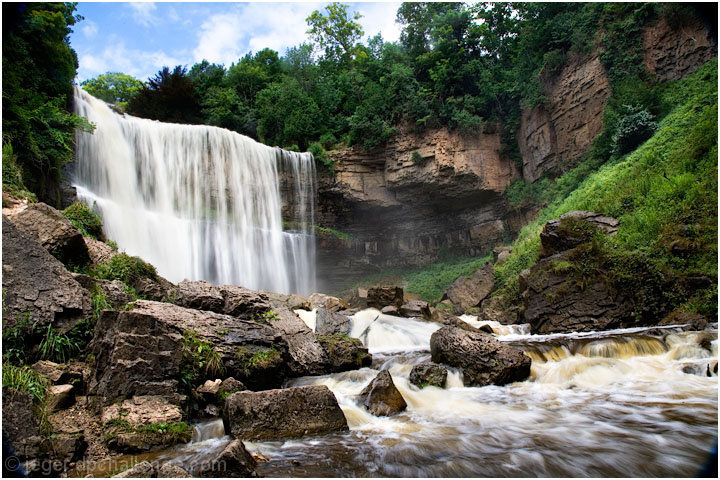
{"x":468,"y":292}
{"x":381,"y":397}
{"x":288,"y":412}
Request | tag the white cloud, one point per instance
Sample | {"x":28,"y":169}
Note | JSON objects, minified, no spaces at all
{"x":380,"y":18}
{"x":142,"y":13}
{"x":89,"y":29}
{"x":119,"y":58}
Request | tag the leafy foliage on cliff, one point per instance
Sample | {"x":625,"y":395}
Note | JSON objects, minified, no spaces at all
{"x":664,"y":194}
{"x":37,"y":75}
{"x":456,"y":65}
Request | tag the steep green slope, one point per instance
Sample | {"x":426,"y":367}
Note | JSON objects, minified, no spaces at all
{"x":664,"y":194}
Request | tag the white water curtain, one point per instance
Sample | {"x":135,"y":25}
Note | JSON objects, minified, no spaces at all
{"x":199,"y":202}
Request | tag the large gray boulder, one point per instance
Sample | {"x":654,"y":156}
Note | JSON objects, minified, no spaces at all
{"x":379,"y":297}
{"x":554,"y":302}
{"x":331,"y":323}
{"x":114,"y":291}
{"x":139,"y":351}
{"x":415,"y":309}
{"x":468,"y":292}
{"x":573,"y":229}
{"x":233,"y":462}
{"x":37,"y":289}
{"x":230,"y":300}
{"x":381,"y":397}
{"x":288,"y":412}
{"x":307,"y":356}
{"x":428,"y":374}
{"x":344,"y":353}
{"x":53,"y":232}
{"x":483,"y":359}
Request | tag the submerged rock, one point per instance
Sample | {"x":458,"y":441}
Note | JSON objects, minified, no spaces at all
{"x":379,"y":297}
{"x":288,"y":412}
{"x":53,"y":232}
{"x":381,"y":397}
{"x":344,"y":353}
{"x":468,"y":292}
{"x":330,"y":323}
{"x":37,"y":289}
{"x":428,"y":374}
{"x":139,"y":470}
{"x":233,"y":462}
{"x":484,"y":360}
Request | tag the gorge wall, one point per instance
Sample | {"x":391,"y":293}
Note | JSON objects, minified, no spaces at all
{"x":418,"y":196}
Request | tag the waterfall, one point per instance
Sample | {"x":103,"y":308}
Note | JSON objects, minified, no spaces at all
{"x":199,"y":202}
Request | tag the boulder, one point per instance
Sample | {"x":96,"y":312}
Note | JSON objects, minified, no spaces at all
{"x":428,"y":374}
{"x":307,"y":356}
{"x":483,"y":359}
{"x":381,"y":397}
{"x":501,"y":253}
{"x":554,"y":302}
{"x":200,"y":295}
{"x":36,"y":287}
{"x":60,"y":397}
{"x":390,"y":310}
{"x":230,"y":386}
{"x":573,"y":229}
{"x":156,"y":289}
{"x":344,"y":353}
{"x":60,"y":374}
{"x":445,"y":318}
{"x":288,"y":412}
{"x":114,"y":291}
{"x":468,"y":292}
{"x":293,"y":302}
{"x":230,"y":300}
{"x":233,"y":462}
{"x":18,"y":419}
{"x":415,"y":309}
{"x":100,"y":252}
{"x":142,"y":410}
{"x":139,"y":470}
{"x":493,"y":309}
{"x":333,"y":304}
{"x":139,"y":351}
{"x":378,"y":297}
{"x":694,"y":321}
{"x":54,"y":232}
{"x":170,"y":470}
{"x":330,"y":323}
{"x":210,"y":388}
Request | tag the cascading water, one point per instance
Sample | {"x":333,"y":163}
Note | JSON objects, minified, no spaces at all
{"x":199,"y":202}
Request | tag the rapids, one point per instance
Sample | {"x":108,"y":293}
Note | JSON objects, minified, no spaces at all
{"x":199,"y":202}
{"x":622,"y":403}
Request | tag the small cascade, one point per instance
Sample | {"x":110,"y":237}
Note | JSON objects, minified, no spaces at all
{"x":199,"y":202}
{"x":386,"y":333}
{"x":211,"y":430}
{"x":497,"y":328}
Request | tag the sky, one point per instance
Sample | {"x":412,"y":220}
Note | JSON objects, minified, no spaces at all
{"x":139,"y":38}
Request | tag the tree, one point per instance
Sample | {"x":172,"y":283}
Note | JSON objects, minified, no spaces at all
{"x":287,"y":115}
{"x":335,"y":33}
{"x":113,"y":87}
{"x":168,"y":97}
{"x":38,"y":70}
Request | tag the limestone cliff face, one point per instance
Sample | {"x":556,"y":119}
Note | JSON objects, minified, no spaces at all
{"x":673,"y":53}
{"x":564,"y":128}
{"x":411,"y":199}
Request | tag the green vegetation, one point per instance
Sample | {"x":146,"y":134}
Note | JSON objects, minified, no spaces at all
{"x":163,"y":433}
{"x":25,"y":379}
{"x":125,"y":268}
{"x":260,"y":359}
{"x":334,"y":233}
{"x":12,"y":176}
{"x":84,"y":219}
{"x":37,"y":75}
{"x":430,"y":282}
{"x":56,"y":346}
{"x":664,"y":194}
{"x":200,"y":360}
{"x":113,"y":87}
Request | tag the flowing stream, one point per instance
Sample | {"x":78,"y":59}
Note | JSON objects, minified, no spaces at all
{"x":621,"y":403}
{"x":199,"y":202}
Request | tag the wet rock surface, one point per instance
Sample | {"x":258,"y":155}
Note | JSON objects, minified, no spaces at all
{"x":428,"y":374}
{"x":330,"y":323}
{"x":483,"y":359}
{"x":306,"y":354}
{"x":415,"y":309}
{"x":233,"y":462}
{"x":288,"y":412}
{"x":37,"y":289}
{"x":381,"y":397}
{"x":344,"y":353}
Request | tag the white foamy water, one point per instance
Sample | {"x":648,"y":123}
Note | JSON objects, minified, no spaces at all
{"x":199,"y":202}
{"x":387,"y":333}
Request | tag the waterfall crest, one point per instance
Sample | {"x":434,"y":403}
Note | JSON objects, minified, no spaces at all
{"x":199,"y":202}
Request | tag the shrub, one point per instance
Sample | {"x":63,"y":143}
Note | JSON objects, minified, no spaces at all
{"x":321,"y":156}
{"x":636,"y":127}
{"x":12,"y":178}
{"x":200,"y":360}
{"x":16,"y":341}
{"x":56,"y":346}
{"x":125,"y":268}
{"x":84,"y":219}
{"x":25,"y":379}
